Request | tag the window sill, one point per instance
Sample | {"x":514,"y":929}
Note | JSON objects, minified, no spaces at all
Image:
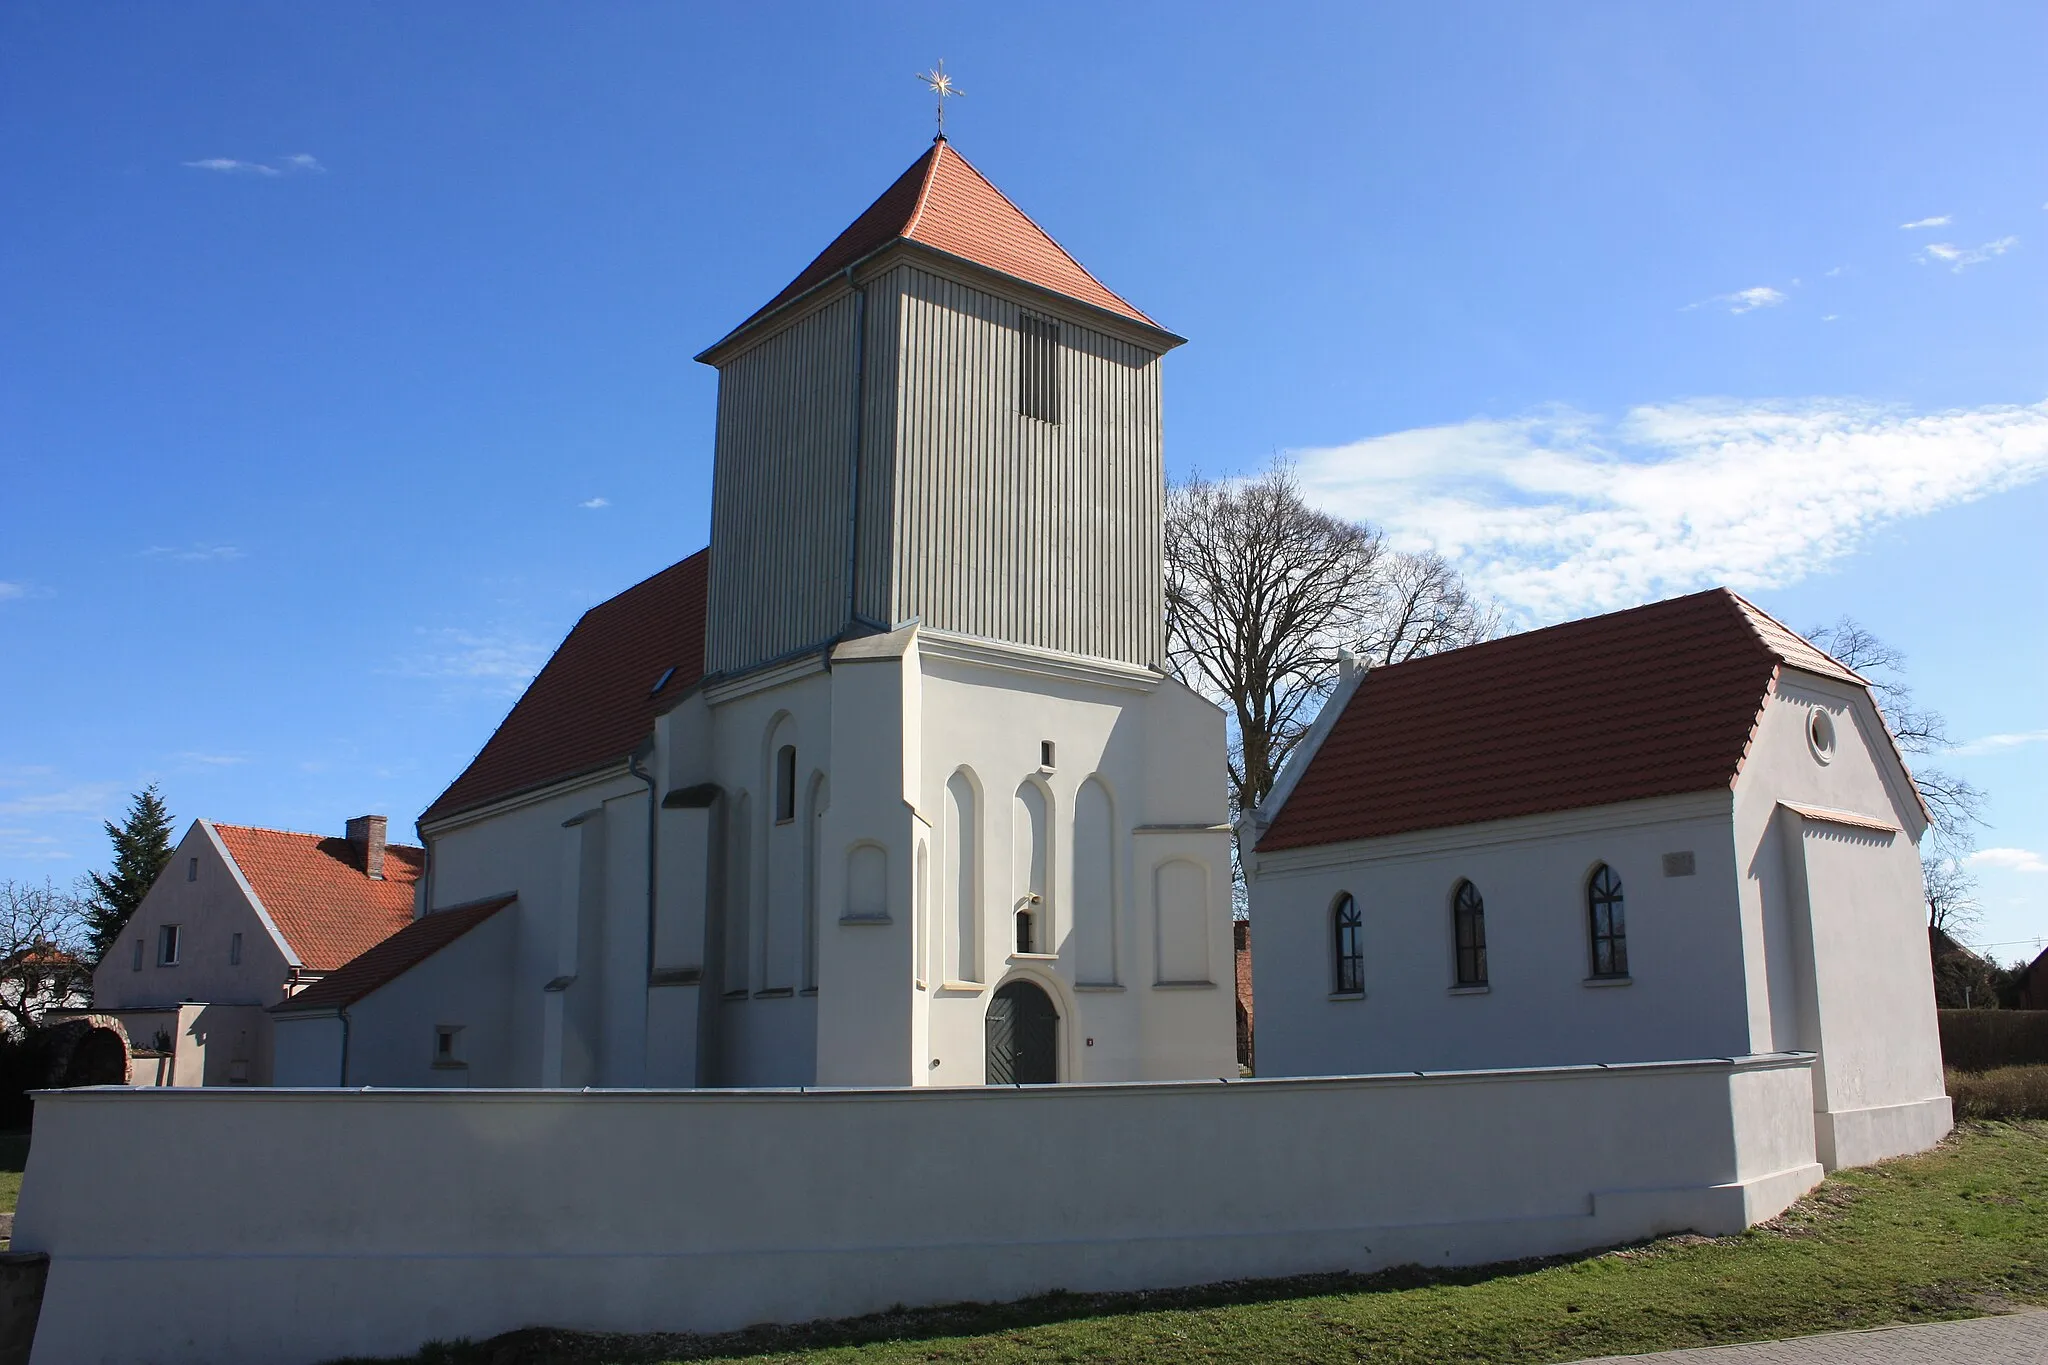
{"x":808,"y":990}
{"x":864,"y":919}
{"x":1347,"y":995}
{"x":1597,"y":981}
{"x":962,"y":987}
{"x":1097,"y":986}
{"x":775,"y":993}
{"x":739,"y":994}
{"x":1034,"y":957}
{"x":1183,"y":985}
{"x":1483,"y":988}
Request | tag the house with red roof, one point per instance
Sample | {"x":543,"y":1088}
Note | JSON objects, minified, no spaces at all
{"x":1671,"y":832}
{"x":240,"y":919}
{"x":889,"y":785}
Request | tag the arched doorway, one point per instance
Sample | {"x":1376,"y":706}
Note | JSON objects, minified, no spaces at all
{"x":1023,"y":1037}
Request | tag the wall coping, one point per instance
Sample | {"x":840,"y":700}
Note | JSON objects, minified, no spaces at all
{"x":1767,"y":1061}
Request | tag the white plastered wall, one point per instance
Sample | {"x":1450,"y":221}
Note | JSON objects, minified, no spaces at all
{"x":1834,"y":922}
{"x":1142,"y":740}
{"x":1205,"y":1181}
{"x":1683,"y":996}
{"x":563,"y":852}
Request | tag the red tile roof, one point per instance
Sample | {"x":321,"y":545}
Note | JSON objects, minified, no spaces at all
{"x":1653,"y":701}
{"x":594,"y":702}
{"x":946,"y":204}
{"x":387,"y":961}
{"x":317,"y":894}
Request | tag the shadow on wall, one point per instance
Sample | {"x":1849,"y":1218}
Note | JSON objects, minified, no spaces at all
{"x":544,"y":1345}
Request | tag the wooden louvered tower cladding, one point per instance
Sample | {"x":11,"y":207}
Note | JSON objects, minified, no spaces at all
{"x":943,"y":417}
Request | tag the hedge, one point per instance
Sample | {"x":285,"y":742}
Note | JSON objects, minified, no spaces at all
{"x":1983,"y":1040}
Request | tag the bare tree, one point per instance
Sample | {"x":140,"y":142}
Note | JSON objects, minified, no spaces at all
{"x":1263,"y":591}
{"x":1955,"y":804}
{"x":1951,"y":893}
{"x":45,"y":952}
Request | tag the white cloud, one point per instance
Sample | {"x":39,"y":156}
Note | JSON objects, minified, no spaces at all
{"x":10,"y":591}
{"x":227,"y":165}
{"x":1561,"y":513}
{"x":1992,"y":744}
{"x":211,"y":760}
{"x":1829,"y":317}
{"x":2011,"y":859}
{"x":1742,"y":300}
{"x":296,"y":163}
{"x":88,"y":798}
{"x":1942,"y":221}
{"x":1959,"y":259}
{"x":28,"y":844}
{"x":198,"y":553}
{"x":595,"y":503}
{"x":498,"y":664}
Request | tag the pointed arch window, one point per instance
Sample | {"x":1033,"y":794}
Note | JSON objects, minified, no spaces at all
{"x":1347,"y":931}
{"x":1607,"y":922}
{"x":1468,"y":920}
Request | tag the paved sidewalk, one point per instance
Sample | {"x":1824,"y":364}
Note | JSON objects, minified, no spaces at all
{"x":2009,"y":1339}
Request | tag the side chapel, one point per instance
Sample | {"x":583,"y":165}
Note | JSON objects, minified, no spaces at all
{"x":889,"y":786}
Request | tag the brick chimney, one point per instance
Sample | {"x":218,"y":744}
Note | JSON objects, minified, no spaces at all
{"x":366,"y":837}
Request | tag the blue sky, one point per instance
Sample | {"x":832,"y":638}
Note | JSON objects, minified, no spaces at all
{"x":345,"y":350}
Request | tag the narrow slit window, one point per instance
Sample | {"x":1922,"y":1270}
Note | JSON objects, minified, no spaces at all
{"x":1348,"y":929}
{"x":1609,"y":925}
{"x":234,"y":950}
{"x":1468,"y":914}
{"x":191,"y":869}
{"x":167,"y":946}
{"x":785,"y":784}
{"x":1038,"y":368}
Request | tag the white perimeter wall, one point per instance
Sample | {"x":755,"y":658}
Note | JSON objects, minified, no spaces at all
{"x":355,"y":1223}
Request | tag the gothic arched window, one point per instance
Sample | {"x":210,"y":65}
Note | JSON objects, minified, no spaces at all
{"x":1347,"y":932}
{"x":1468,"y":920}
{"x":1608,"y":925}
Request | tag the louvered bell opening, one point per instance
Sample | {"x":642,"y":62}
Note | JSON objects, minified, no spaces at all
{"x":1038,"y":366}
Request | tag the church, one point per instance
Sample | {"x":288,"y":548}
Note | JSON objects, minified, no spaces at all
{"x":889,"y":785}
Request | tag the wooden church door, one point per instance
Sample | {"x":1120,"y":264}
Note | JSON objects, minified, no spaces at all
{"x":1023,"y":1037}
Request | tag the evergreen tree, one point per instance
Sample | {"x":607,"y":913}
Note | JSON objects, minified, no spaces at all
{"x":142,"y":845}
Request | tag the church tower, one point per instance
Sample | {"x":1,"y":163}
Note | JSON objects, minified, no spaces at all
{"x":943,"y":418}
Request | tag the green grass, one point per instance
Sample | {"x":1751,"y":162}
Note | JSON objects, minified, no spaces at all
{"x":13,"y":1158}
{"x":1958,"y":1231}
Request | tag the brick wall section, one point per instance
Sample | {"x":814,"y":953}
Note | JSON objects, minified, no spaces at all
{"x":1241,"y":935}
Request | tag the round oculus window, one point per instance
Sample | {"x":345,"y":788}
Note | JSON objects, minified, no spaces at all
{"x":1820,"y":734}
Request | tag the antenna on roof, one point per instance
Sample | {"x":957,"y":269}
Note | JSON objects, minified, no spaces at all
{"x":942,"y":86}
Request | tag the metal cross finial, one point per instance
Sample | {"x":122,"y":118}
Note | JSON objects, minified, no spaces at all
{"x":942,"y":86}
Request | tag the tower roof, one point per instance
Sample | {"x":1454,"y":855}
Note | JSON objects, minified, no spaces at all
{"x":944,"y":203}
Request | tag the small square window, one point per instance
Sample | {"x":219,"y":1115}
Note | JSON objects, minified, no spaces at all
{"x":1045,"y":754}
{"x":235,"y":950}
{"x":167,"y":946}
{"x":1678,"y":864}
{"x":448,"y":1045}
{"x":192,"y":869}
